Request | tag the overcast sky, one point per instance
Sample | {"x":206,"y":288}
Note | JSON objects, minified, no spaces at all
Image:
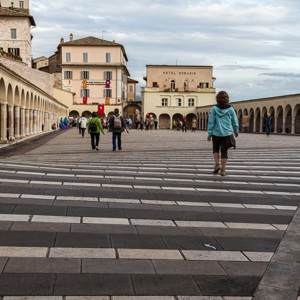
{"x":253,"y":45}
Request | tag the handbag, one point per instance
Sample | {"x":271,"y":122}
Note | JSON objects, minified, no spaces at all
{"x":230,"y":141}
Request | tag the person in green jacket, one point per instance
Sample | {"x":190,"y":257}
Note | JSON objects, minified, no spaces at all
{"x":94,"y":129}
{"x":222,"y":122}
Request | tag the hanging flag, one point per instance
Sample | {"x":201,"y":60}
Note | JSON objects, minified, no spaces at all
{"x":84,"y":83}
{"x":107,"y":101}
{"x":84,"y":100}
{"x":107,"y":83}
{"x":100,"y":110}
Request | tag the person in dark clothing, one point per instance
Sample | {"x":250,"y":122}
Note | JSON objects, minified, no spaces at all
{"x":268,"y":122}
{"x":117,"y":125}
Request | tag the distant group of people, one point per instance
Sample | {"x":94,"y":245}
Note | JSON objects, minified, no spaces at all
{"x":147,"y":124}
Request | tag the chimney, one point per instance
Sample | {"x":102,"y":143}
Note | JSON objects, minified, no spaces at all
{"x":62,"y":40}
{"x":71,"y":37}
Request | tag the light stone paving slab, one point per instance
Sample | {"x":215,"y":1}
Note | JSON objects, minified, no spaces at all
{"x":204,"y":204}
{"x":83,"y":253}
{"x":278,"y":193}
{"x":259,"y":256}
{"x":56,"y":219}
{"x":44,"y":197}
{"x":4,"y":195}
{"x":229,"y":205}
{"x":46,"y":182}
{"x":33,"y":298}
{"x":17,"y":218}
{"x":81,"y":184}
{"x":6,"y":171}
{"x":143,"y":298}
{"x":30,"y":173}
{"x":200,"y":224}
{"x":87,"y":298}
{"x":14,"y":180}
{"x":149,"y":254}
{"x":177,"y":188}
{"x":246,"y":192}
{"x":199,"y":298}
{"x":148,"y":178}
{"x":237,"y":298}
{"x":23,"y":251}
{"x":159,"y":202}
{"x":250,"y":226}
{"x":259,"y":206}
{"x":111,"y":221}
{"x":123,"y":186}
{"x":147,"y":222}
{"x":199,"y":255}
{"x":282,"y":207}
{"x":280,"y":226}
{"x":70,"y":198}
{"x":90,"y":176}
{"x":237,"y":182}
{"x":147,"y":187}
{"x":212,"y":190}
{"x":180,"y":180}
{"x":60,"y":175}
{"x":117,"y":200}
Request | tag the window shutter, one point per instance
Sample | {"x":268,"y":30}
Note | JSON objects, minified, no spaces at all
{"x":81,"y":75}
{"x":71,"y":74}
{"x":81,"y":93}
{"x":88,"y":75}
{"x":65,"y":74}
{"x":104,"y":94}
{"x":88,"y":93}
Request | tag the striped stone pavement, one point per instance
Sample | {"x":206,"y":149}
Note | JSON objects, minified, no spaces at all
{"x":148,"y":222}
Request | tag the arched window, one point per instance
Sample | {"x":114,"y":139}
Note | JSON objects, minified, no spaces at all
{"x":186,"y":86}
{"x":173,"y":85}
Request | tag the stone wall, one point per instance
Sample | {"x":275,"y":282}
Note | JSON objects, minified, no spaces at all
{"x":40,"y":79}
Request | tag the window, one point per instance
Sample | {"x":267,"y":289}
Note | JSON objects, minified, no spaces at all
{"x":85,"y":57}
{"x":13,"y":33}
{"x":85,"y":75}
{"x":164,"y":102}
{"x":178,"y":102}
{"x":68,"y":57}
{"x":68,"y":75}
{"x":14,"y":51}
{"x":173,"y":85}
{"x":123,"y":94}
{"x":204,"y":85}
{"x":107,"y":75}
{"x":108,"y":57}
{"x":186,"y":86}
{"x":191,"y":102}
{"x":131,"y":88}
{"x":131,"y":99}
{"x":154,"y":84}
{"x":85,"y":93}
{"x":21,"y":4}
{"x":108,"y":93}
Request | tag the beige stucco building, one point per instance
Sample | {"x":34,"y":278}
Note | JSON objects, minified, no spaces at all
{"x":21,"y":5}
{"x":15,"y":34}
{"x":176,"y":91}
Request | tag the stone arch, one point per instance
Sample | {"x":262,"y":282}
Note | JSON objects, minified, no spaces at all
{"x":23,"y":99}
{"x":251,"y":119}
{"x":2,"y":91}
{"x":132,"y":111}
{"x":264,"y":112}
{"x":189,"y":119}
{"x":10,"y":96}
{"x":164,"y":121}
{"x":17,"y":96}
{"x":110,"y":114}
{"x":148,"y":116}
{"x":74,"y":114}
{"x":279,"y":119}
{"x":296,"y":115}
{"x":257,"y":116}
{"x":206,"y":119}
{"x":288,"y":118}
{"x":87,"y":113}
{"x":240,"y":119}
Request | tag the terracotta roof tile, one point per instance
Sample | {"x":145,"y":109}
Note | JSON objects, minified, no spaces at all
{"x":6,"y":12}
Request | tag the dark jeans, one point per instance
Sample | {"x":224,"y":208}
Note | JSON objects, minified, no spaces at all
{"x":220,"y":142}
{"x":83,"y":131}
{"x":79,"y":127}
{"x":268,"y":130}
{"x":93,"y":137}
{"x":114,"y":140}
{"x":184,"y":128}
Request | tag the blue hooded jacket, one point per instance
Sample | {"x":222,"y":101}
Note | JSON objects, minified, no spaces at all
{"x":222,"y":121}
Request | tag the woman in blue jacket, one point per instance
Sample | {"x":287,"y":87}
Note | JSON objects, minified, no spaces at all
{"x":222,"y":122}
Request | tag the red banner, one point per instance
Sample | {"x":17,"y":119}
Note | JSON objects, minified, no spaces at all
{"x":100,"y":110}
{"x":107,"y":84}
{"x":84,"y":100}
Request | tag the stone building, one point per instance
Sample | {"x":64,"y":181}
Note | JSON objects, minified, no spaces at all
{"x":176,"y":91}
{"x":41,"y":63}
{"x":15,"y":32}
{"x":22,"y":5}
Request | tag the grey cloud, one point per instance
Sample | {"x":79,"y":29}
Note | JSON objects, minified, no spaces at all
{"x":281,"y":74}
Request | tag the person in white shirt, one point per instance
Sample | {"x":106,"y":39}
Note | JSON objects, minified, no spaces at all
{"x":83,"y":123}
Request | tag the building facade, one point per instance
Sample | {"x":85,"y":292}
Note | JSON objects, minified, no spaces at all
{"x":173,"y":92}
{"x":22,"y":5}
{"x":15,"y":33}
{"x":285,"y":111}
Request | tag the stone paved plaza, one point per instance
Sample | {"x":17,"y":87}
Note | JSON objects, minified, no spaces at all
{"x":150,"y":222}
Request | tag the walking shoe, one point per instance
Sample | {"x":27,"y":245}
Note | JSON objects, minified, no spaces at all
{"x":223,"y":173}
{"x":216,"y":169}
{"x":120,"y":148}
{"x":114,"y":149}
{"x":97,"y":148}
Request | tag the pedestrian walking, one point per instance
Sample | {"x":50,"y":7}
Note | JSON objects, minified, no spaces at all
{"x":83,"y":123}
{"x":155,"y":124}
{"x":268,"y":122}
{"x":222,"y":123}
{"x":194,"y":124}
{"x":117,"y":125}
{"x":94,"y":129}
{"x":183,"y":126}
{"x":142,"y":124}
